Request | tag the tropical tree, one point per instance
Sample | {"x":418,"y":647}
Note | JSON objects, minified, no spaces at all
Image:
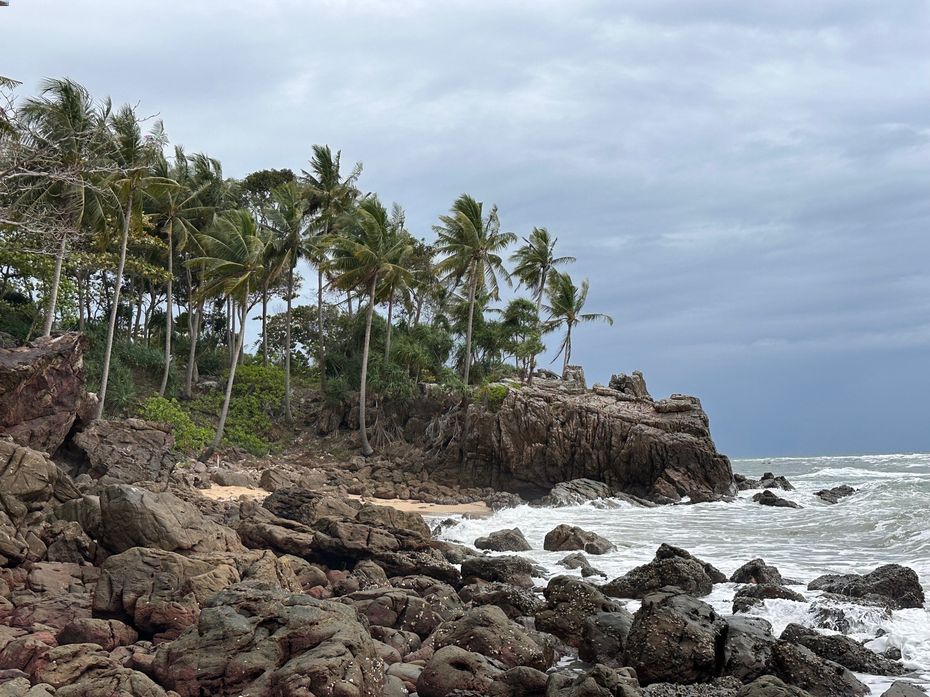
{"x":287,"y":218}
{"x":233,"y":265}
{"x":333,"y":196}
{"x":565,"y":304}
{"x":372,"y":255}
{"x":397,"y":287}
{"x":133,"y":153}
{"x":470,"y":243}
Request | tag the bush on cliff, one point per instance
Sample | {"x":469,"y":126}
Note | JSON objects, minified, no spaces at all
{"x":188,"y":436}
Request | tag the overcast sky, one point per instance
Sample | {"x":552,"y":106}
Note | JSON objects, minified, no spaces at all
{"x":745,"y":184}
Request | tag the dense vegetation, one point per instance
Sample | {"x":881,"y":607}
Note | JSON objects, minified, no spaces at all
{"x":163,"y":260}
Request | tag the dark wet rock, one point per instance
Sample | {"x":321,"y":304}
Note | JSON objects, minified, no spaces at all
{"x":516,"y":571}
{"x":896,"y":584}
{"x":452,"y":668}
{"x":575,"y":493}
{"x":686,"y":573}
{"x":504,"y":541}
{"x":428,"y":562}
{"x":801,"y":667}
{"x":836,"y":493}
{"x":843,"y":650}
{"x":125,"y":451}
{"x":521,"y":681}
{"x":771,"y":481}
{"x":600,"y":681}
{"x":569,"y":603}
{"x":107,"y":634}
{"x":565,"y":538}
{"x":831,"y":611}
{"x":580,"y":561}
{"x":755,"y":594}
{"x":666,"y":551}
{"x":500,"y":500}
{"x":442,"y":597}
{"x":42,"y":394}
{"x":904,"y":689}
{"x":254,"y":639}
{"x":747,"y":649}
{"x":767,"y":498}
{"x":719,"y":687}
{"x":397,"y":608}
{"x":514,"y":601}
{"x":674,"y":638}
{"x":770,"y":686}
{"x":757,"y":571}
{"x":488,"y":631}
{"x":603,"y":637}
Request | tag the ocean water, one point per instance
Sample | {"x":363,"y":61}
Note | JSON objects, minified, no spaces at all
{"x":887,"y":521}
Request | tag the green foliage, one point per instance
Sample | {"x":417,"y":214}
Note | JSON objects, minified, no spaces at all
{"x":187,"y":435}
{"x":134,"y":367}
{"x":492,"y":394}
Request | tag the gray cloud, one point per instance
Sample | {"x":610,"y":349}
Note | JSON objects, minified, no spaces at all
{"x":745,"y":184}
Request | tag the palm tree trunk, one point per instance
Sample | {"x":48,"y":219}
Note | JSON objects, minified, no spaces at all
{"x":224,"y":412}
{"x":321,"y":348}
{"x":137,"y":321}
{"x":114,"y":306}
{"x":168,"y":317}
{"x":56,"y":282}
{"x":287,"y":350}
{"x":387,"y":339}
{"x":363,"y":429}
{"x":471,"y":316}
{"x":265,"y":324}
{"x":80,"y":292}
{"x":194,"y":318}
{"x":416,"y":317}
{"x":568,"y":350}
{"x":349,"y":302}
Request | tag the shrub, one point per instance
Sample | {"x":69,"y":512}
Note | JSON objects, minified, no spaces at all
{"x":187,"y":435}
{"x":492,"y":394}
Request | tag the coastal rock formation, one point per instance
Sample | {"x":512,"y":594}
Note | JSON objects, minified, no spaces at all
{"x":42,"y":393}
{"x":126,"y":451}
{"x":566,"y":538}
{"x":892,"y":584}
{"x":504,"y":541}
{"x":672,"y":567}
{"x":767,"y":498}
{"x":843,"y":650}
{"x":835,"y":494}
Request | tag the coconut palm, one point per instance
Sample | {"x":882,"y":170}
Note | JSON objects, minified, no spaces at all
{"x":372,"y":254}
{"x":470,"y":243}
{"x":287,"y":217}
{"x":565,"y":304}
{"x":133,"y":153}
{"x":333,"y":195}
{"x":233,"y":265}
{"x":397,"y":287}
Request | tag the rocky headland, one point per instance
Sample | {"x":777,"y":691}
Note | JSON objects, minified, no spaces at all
{"x":118,"y":576}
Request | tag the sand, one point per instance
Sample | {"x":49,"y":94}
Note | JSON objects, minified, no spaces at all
{"x":231,"y":493}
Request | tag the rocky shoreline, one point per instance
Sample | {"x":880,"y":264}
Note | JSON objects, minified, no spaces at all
{"x":118,"y":576}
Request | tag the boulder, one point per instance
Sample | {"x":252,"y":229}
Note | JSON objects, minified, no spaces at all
{"x":308,"y":507}
{"x":28,"y":481}
{"x":125,"y":451}
{"x":81,"y":670}
{"x":512,"y":570}
{"x":569,"y":603}
{"x":565,"y":538}
{"x":835,"y":494}
{"x":488,"y":631}
{"x":575,"y":493}
{"x":135,"y":517}
{"x":514,"y":601}
{"x":397,"y":608}
{"x":603,"y":637}
{"x":843,"y":650}
{"x":578,"y":560}
{"x":108,"y":634}
{"x":452,"y":668}
{"x":255,"y":639}
{"x":42,"y":393}
{"x":894,"y":584}
{"x":767,"y":498}
{"x":674,"y":638}
{"x":904,"y":689}
{"x":770,"y":686}
{"x":521,"y":681}
{"x":755,"y":595}
{"x":51,"y":594}
{"x":631,"y":385}
{"x":801,"y":667}
{"x":771,"y":481}
{"x":667,"y":551}
{"x":600,"y":681}
{"x":670,"y":568}
{"x":747,"y":648}
{"x":757,"y":571}
{"x":504,"y":541}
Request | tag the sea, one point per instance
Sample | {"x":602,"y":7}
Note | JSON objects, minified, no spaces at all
{"x":886,"y":521}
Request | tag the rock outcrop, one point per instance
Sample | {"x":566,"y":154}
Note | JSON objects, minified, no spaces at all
{"x":42,"y":392}
{"x":126,"y":451}
{"x":892,"y":584}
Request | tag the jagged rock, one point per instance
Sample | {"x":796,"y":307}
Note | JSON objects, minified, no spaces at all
{"x":66,"y":541}
{"x":580,"y":561}
{"x":42,"y":391}
{"x":600,"y":681}
{"x":573,"y":378}
{"x":767,"y":498}
{"x":843,"y":650}
{"x":747,"y":648}
{"x":801,"y":667}
{"x":521,"y":681}
{"x":565,"y":538}
{"x":757,"y":571}
{"x":603,"y":637}
{"x":575,"y":493}
{"x":836,"y":493}
{"x":513,"y":570}
{"x":896,"y":585}
{"x":135,"y":517}
{"x":81,"y":670}
{"x":254,"y":639}
{"x":452,"y":668}
{"x":770,"y":686}
{"x":308,"y":507}
{"x":488,"y":631}
{"x":428,"y":562}
{"x":28,"y":480}
{"x":125,"y":451}
{"x":107,"y":634}
{"x":396,"y":608}
{"x":49,"y":593}
{"x":755,"y":595}
{"x":831,"y":611}
{"x":770,"y":481}
{"x":504,"y":541}
{"x":633,"y":385}
{"x":672,"y":567}
{"x":569,"y":603}
{"x":515,"y":602}
{"x":903,"y":689}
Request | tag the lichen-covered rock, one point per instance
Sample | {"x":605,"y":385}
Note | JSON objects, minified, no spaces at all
{"x":516,"y":571}
{"x":569,"y":603}
{"x":452,"y":668}
{"x":488,"y":631}
{"x":603,"y":637}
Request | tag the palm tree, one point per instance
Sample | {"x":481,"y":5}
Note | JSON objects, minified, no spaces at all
{"x":333,"y":196}
{"x":65,"y":121}
{"x":133,"y":154}
{"x":287,"y":219}
{"x":179,"y":210}
{"x":470,"y":243}
{"x":566,"y":302}
{"x":372,"y":254}
{"x":397,"y":286}
{"x":233,"y":265}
